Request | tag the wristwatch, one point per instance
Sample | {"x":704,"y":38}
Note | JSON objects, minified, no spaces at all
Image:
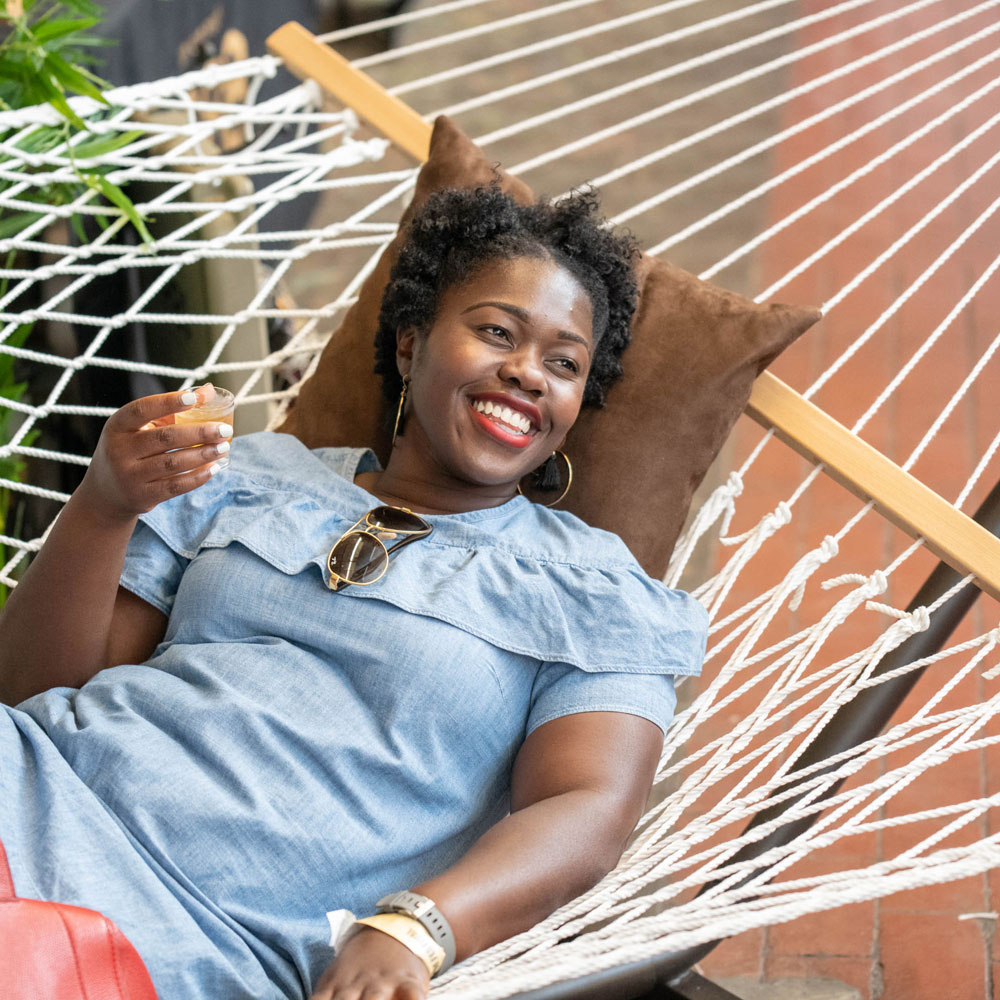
{"x":422,"y":909}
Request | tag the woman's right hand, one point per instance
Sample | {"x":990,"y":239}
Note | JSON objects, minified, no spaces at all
{"x":137,"y":463}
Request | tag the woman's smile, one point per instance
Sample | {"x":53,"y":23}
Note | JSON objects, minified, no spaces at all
{"x":510,"y":420}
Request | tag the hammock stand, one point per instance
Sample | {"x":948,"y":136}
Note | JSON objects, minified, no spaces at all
{"x":965,"y":546}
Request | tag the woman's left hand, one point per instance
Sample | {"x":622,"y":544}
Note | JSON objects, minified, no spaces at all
{"x":373,"y":966}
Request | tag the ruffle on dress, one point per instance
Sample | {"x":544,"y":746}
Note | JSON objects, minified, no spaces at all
{"x":526,"y":579}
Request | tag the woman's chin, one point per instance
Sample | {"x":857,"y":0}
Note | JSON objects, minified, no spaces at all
{"x":489,"y":475}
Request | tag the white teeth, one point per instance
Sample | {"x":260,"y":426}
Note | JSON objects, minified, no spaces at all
{"x":513,"y":419}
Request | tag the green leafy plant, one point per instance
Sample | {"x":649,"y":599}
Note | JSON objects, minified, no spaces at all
{"x":43,"y":60}
{"x":45,"y":55}
{"x":42,"y":56}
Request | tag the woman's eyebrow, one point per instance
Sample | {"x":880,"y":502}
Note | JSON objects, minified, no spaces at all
{"x":521,"y":314}
{"x":524,"y":316}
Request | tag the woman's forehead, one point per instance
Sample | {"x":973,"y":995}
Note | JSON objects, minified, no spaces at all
{"x":536,"y":286}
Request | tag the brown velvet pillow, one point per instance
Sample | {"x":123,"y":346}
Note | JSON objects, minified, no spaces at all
{"x":695,"y":353}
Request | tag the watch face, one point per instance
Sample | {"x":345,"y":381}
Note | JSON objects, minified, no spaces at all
{"x":406,"y":900}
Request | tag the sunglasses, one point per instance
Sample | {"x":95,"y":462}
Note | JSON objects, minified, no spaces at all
{"x":360,"y":555}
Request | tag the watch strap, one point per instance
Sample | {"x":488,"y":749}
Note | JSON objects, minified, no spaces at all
{"x":423,"y":909}
{"x":410,"y":933}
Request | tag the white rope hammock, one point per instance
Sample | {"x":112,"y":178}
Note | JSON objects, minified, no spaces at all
{"x":844,"y":154}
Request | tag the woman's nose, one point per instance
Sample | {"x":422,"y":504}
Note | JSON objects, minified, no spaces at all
{"x":525,"y":371}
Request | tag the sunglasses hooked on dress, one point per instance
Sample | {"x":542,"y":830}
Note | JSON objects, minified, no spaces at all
{"x":361,"y":557}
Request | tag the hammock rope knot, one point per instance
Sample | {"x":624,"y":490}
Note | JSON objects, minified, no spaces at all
{"x":767,"y":526}
{"x":911,"y":622}
{"x":808,"y":565}
{"x":721,"y":502}
{"x":877,"y":581}
{"x":992,"y":641}
{"x":714,"y":592}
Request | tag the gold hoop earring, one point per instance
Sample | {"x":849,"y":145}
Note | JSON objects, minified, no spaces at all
{"x":399,"y":409}
{"x":569,"y":477}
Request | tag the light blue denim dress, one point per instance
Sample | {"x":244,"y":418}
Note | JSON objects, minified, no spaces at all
{"x":288,"y":751}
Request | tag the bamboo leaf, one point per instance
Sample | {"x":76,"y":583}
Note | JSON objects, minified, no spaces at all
{"x":54,"y":96}
{"x":61,"y":105}
{"x":14,"y":390}
{"x":118,"y":198}
{"x":77,"y":223}
{"x":11,"y":225}
{"x":20,"y":335}
{"x":49,"y":30}
{"x":104,"y":144}
{"x":90,"y":41}
{"x":86,"y":8}
{"x":71,"y":78}
{"x":42,"y":140}
{"x":12,"y":69}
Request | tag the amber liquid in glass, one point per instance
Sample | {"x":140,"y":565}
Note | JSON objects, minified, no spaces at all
{"x":219,"y":409}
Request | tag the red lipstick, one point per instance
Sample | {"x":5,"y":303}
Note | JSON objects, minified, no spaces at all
{"x":493,"y":428}
{"x":521,"y":405}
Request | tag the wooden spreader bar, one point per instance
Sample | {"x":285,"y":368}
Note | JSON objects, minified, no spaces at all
{"x":951,"y":535}
{"x":309,"y":59}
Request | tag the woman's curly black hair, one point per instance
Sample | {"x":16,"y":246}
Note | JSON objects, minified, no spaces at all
{"x":458,"y":231}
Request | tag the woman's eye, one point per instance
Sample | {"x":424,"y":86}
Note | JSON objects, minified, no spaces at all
{"x":568,"y":364}
{"x":497,"y":331}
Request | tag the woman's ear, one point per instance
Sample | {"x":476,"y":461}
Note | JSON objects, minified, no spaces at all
{"x":405,"y":339}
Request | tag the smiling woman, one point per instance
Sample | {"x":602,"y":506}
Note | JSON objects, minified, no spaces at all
{"x":266,"y":697}
{"x":510,"y":315}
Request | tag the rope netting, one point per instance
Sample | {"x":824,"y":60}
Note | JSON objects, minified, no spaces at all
{"x":196,"y":290}
{"x":835,"y":153}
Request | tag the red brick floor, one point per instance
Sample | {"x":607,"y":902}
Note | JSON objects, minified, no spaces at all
{"x":916,"y":944}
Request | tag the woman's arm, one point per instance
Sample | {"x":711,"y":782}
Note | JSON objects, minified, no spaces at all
{"x":67,"y":619}
{"x":580,"y":784}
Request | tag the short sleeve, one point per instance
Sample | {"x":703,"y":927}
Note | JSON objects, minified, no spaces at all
{"x":562,"y":689}
{"x":274,"y":499}
{"x":152,"y":569}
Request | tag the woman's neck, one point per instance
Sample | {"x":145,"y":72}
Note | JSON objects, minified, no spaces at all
{"x":429,"y":491}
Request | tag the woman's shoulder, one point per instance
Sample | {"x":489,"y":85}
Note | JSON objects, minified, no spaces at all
{"x":560,"y":535}
{"x":545,"y":583}
{"x":281,"y":461}
{"x":531,"y":532}
{"x":271,"y":478}
{"x":267,"y":467}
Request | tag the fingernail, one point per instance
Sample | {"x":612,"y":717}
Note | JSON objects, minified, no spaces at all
{"x":189,"y":398}
{"x":225,"y":430}
{"x":222,"y":447}
{"x":214,"y":468}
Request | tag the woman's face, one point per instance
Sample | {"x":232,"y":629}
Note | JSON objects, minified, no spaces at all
{"x":498,"y":380}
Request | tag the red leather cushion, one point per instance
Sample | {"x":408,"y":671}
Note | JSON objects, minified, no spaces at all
{"x":53,"y":951}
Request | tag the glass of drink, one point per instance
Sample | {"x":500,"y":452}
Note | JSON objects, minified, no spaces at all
{"x":218,"y":408}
